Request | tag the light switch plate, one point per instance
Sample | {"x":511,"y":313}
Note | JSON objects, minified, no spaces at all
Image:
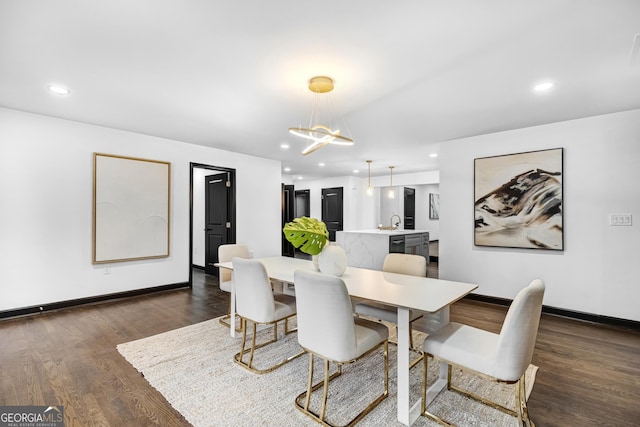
{"x":620,"y":219}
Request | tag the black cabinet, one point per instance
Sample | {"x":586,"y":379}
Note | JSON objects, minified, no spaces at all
{"x":416,"y":244}
{"x":396,"y":245}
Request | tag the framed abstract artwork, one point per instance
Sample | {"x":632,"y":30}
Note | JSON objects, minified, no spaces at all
{"x":434,"y":206}
{"x":130,"y":208}
{"x":518,"y":200}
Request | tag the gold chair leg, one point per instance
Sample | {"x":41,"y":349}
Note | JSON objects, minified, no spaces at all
{"x":325,"y":390}
{"x":226,"y":319}
{"x":238,"y":357}
{"x":243,"y":326}
{"x":521,"y":404}
{"x":423,"y":405}
{"x":521,"y":411}
{"x":253,"y":344}
{"x":325,"y":384}
{"x":309,"y":383}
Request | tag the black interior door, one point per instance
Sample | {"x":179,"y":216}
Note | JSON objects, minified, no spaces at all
{"x":288,"y":214}
{"x":217,"y":221}
{"x":332,"y":214}
{"x":409,"y":208}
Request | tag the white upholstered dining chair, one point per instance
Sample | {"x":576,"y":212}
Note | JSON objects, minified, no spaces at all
{"x":327,"y":329}
{"x":225,"y":254}
{"x":256,"y":303}
{"x":502,"y":357}
{"x":413,"y":265}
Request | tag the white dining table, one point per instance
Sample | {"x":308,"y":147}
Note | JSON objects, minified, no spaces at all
{"x":399,"y":290}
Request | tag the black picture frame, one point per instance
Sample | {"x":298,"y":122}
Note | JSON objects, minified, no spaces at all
{"x":518,"y":200}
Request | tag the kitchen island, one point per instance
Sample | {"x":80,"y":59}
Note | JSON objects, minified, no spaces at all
{"x":368,"y":248}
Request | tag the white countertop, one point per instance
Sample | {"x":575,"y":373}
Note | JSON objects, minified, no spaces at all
{"x":384,"y":232}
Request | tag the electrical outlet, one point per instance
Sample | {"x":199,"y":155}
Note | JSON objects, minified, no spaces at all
{"x":620,"y":220}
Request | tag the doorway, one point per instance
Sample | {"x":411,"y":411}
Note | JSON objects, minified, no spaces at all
{"x":332,"y":213}
{"x":214,"y":223}
{"x":288,"y":215}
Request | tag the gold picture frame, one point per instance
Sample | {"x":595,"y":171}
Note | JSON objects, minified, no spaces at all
{"x":131,"y":208}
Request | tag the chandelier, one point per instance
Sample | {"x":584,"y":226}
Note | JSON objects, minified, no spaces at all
{"x":322,"y":128}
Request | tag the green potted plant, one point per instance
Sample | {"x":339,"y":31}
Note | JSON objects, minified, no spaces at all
{"x":310,"y":235}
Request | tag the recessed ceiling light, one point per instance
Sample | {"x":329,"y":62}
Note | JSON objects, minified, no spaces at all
{"x":356,"y":171}
{"x":432,"y":155}
{"x":543,"y":87}
{"x":287,"y":169}
{"x":284,"y":146}
{"x":59,"y":90}
{"x":299,"y":177}
{"x":321,"y":164}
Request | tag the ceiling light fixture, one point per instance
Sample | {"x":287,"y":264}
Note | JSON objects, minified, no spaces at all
{"x":59,"y":90}
{"x":369,"y":188}
{"x":543,"y":87}
{"x":392,"y":193}
{"x":323,"y":128}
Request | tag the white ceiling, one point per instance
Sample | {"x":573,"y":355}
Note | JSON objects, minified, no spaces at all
{"x":409,"y":75}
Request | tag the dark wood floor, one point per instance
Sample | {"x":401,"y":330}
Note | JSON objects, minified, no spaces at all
{"x":589,"y":374}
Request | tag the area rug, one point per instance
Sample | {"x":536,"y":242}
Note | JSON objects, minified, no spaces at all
{"x":192,"y":368}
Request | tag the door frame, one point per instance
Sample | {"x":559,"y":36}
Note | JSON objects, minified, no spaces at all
{"x":232,"y":207}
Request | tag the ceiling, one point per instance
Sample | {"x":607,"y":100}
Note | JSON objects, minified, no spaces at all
{"x":408,"y":75}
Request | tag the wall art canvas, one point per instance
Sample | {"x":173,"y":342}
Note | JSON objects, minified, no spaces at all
{"x":518,"y":200}
{"x":130,"y":208}
{"x":434,"y":206}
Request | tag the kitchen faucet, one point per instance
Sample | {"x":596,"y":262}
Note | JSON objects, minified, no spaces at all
{"x":391,"y":226}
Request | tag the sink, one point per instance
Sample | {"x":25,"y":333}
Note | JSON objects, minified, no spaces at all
{"x":384,"y":227}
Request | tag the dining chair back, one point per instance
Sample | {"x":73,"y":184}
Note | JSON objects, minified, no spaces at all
{"x":225,"y":254}
{"x":413,"y":265}
{"x":254,"y":296}
{"x":325,"y":322}
{"x":518,"y":334}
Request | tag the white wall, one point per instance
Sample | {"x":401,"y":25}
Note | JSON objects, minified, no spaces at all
{"x":46,"y":188}
{"x":599,"y":270}
{"x":422,"y":210}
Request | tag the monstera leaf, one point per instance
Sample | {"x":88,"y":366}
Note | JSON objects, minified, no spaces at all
{"x":310,"y":235}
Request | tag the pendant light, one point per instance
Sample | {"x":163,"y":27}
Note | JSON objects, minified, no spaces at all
{"x":323,"y":127}
{"x":392,"y":193}
{"x":369,"y":188}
